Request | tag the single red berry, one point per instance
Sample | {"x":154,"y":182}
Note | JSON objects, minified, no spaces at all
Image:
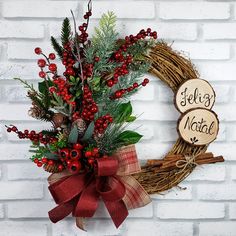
{"x":39,"y":164}
{"x":95,"y":151}
{"x":88,"y":154}
{"x":96,"y":59}
{"x":52,"y":56}
{"x":14,"y":129}
{"x":144,"y":84}
{"x":36,"y":160}
{"x":42,"y":74}
{"x":110,"y":83}
{"x":70,"y":71}
{"x":38,"y":50}
{"x":146,"y":81}
{"x":91,"y":161}
{"x":52,"y":89}
{"x":41,"y":63}
{"x":135,"y":85}
{"x":118,"y":94}
{"x":60,"y":167}
{"x":78,"y":146}
{"x":44,"y":160}
{"x":52,"y":67}
{"x":50,"y":162}
{"x":9,"y":130}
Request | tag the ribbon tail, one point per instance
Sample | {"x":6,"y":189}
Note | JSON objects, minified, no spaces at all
{"x":135,"y":195}
{"x":80,"y":223}
{"x":60,"y":212}
{"x":117,"y":211}
{"x":88,"y":201}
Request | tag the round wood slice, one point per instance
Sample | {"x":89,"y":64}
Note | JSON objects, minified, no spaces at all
{"x":198,"y":126}
{"x":194,"y":93}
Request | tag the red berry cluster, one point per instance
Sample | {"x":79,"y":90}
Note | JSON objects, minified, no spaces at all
{"x":121,"y":70}
{"x":75,"y":116}
{"x":90,"y":108}
{"x":126,"y":60}
{"x":32,"y":135}
{"x":119,"y":93}
{"x":83,"y":37}
{"x":102,"y":123}
{"x":68,"y":60}
{"x":87,"y":70}
{"x":61,"y":88}
{"x":131,"y":40}
{"x":42,"y":63}
{"x":44,"y":160}
{"x":75,"y":157}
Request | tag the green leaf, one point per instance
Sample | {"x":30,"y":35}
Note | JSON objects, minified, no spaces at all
{"x":51,"y":156}
{"x":128,"y":137}
{"x":78,"y":93}
{"x":124,"y":111}
{"x":89,"y":132}
{"x":131,"y":119}
{"x":73,"y":136}
{"x":42,"y":86}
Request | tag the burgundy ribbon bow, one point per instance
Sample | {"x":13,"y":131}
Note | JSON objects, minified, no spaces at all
{"x":79,"y":194}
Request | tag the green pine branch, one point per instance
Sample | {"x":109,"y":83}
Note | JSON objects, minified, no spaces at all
{"x":65,"y":31}
{"x":57,"y":47}
{"x":103,"y":44}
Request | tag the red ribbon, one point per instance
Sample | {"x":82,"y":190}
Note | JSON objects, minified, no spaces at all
{"x":79,"y":194}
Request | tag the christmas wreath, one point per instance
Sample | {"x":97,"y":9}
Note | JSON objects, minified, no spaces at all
{"x":90,"y":149}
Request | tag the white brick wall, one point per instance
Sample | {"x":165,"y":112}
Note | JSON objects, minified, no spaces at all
{"x":204,"y":30}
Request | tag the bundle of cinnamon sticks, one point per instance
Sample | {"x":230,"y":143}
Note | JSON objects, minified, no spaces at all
{"x":170,"y":161}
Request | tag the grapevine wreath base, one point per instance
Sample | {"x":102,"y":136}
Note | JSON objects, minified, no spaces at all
{"x":160,"y":175}
{"x":89,"y":151}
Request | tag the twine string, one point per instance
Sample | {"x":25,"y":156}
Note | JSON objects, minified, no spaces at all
{"x":189,"y":160}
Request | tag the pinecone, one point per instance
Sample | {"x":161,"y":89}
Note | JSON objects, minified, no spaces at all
{"x":81,"y":125}
{"x":36,"y":112}
{"x":51,"y":168}
{"x":58,"y":120}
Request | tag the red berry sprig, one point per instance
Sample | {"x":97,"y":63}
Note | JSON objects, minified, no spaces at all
{"x":126,"y":60}
{"x":89,"y":108}
{"x":61,"y":88}
{"x":42,"y":63}
{"x":83,"y":37}
{"x":102,"y":123}
{"x":121,"y":70}
{"x":68,"y":60}
{"x":32,"y":135}
{"x":119,"y":93}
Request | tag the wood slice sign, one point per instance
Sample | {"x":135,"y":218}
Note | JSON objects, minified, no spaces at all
{"x":194,"y":93}
{"x":198,"y":126}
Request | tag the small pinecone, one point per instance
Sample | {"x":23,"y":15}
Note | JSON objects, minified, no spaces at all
{"x":32,"y":93}
{"x":36,"y":112}
{"x":81,"y":125}
{"x":51,"y":168}
{"x":98,"y":137}
{"x":58,"y":119}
